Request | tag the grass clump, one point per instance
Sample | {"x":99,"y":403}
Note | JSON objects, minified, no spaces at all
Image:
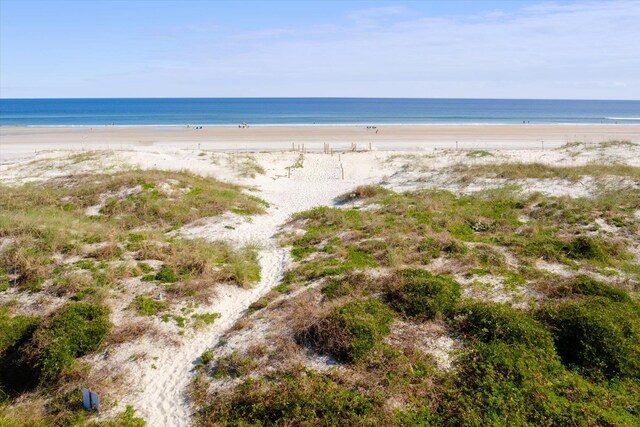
{"x":515,"y":171}
{"x":421,"y":295}
{"x":148,"y":306}
{"x":361,"y":192}
{"x":351,"y":331}
{"x":479,"y":153}
{"x":233,"y":366}
{"x":598,"y":338}
{"x":166,"y":275}
{"x":246,"y":166}
{"x":204,"y":319}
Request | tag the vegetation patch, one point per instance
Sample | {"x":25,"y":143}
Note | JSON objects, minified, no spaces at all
{"x":350,"y":332}
{"x":148,"y":306}
{"x":421,"y":295}
{"x":80,"y":240}
{"x":517,"y":171}
{"x":414,"y":255}
{"x":598,"y":338}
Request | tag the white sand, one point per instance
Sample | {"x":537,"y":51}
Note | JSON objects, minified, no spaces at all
{"x":159,"y":392}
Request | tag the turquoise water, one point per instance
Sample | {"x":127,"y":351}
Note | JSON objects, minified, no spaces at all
{"x":307,"y":111}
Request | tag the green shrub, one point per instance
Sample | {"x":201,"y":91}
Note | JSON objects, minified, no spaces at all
{"x":585,"y":285}
{"x":488,"y":322}
{"x":148,"y":306}
{"x":204,"y":318}
{"x":514,"y":384}
{"x":352,"y":330}
{"x":306,"y":399}
{"x":598,"y":338}
{"x":15,"y":332}
{"x":586,"y":248}
{"x":206,"y":357}
{"x":75,"y":330}
{"x":166,"y":275}
{"x":234,"y":365}
{"x":422,"y":295}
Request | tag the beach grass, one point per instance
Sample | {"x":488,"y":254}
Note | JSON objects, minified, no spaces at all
{"x":78,"y":239}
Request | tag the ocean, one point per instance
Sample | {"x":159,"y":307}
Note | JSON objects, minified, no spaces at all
{"x":310,"y":111}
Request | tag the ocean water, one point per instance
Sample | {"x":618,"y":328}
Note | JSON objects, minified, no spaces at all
{"x":309,"y":111}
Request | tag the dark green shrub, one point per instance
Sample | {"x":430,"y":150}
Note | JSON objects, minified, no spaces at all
{"x":513,"y":384}
{"x":422,"y":295}
{"x":306,"y":399}
{"x":585,"y":285}
{"x":351,"y":331}
{"x":487,"y":322}
{"x":206,"y":357}
{"x":597,"y":338}
{"x":15,"y":332}
{"x":584,"y":247}
{"x":166,"y":275}
{"x":75,"y":330}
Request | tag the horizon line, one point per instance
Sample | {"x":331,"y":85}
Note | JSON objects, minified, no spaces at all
{"x":319,"y":97}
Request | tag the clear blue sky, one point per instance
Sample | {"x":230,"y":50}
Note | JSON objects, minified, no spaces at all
{"x":475,"y":49}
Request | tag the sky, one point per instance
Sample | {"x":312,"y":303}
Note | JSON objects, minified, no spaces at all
{"x":426,"y":49}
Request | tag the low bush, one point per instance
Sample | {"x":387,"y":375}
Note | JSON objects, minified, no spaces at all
{"x":306,"y":399}
{"x":234,"y":365}
{"x":148,"y":306}
{"x":75,"y":330}
{"x":15,"y":332}
{"x":598,"y":338}
{"x":166,"y":275}
{"x":503,"y":383}
{"x":421,"y":295}
{"x":488,"y":322}
{"x":585,"y":285}
{"x":352,"y":330}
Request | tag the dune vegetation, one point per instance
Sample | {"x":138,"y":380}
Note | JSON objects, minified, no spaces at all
{"x":427,"y":308}
{"x":73,"y":249}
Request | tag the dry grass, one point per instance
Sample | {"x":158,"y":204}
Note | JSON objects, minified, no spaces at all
{"x":51,"y":247}
{"x":518,"y":171}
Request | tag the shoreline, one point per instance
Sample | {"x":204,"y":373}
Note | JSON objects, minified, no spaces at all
{"x":19,"y":143}
{"x":625,"y":122}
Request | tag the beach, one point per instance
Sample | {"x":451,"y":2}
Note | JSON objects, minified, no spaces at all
{"x":23,"y":142}
{"x":292,"y":170}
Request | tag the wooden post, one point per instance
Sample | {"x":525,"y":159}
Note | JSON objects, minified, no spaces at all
{"x":342,"y":170}
{"x":289,"y":172}
{"x":369,"y":146}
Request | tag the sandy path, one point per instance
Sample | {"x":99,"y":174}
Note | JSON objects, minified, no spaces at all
{"x":162,"y":400}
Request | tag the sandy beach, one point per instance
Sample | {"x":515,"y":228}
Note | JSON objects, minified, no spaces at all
{"x":23,"y":142}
